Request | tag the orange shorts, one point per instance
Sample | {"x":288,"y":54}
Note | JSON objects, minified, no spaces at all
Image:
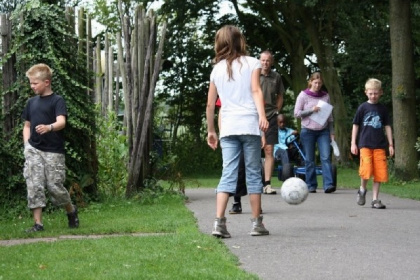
{"x":373,"y":162}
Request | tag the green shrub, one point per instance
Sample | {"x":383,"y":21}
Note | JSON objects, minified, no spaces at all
{"x":112,"y":151}
{"x":196,"y":157}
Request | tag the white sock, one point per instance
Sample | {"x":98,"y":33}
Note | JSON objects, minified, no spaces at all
{"x":362,"y":190}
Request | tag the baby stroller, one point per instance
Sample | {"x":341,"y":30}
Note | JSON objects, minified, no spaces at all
{"x":297,"y":156}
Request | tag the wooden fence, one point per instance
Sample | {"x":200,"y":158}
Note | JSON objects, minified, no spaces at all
{"x":134,"y":69}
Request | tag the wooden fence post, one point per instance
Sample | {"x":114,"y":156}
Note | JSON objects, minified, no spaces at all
{"x":137,"y":68}
{"x":9,"y":77}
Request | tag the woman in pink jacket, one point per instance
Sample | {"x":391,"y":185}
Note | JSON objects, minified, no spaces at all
{"x":315,"y":132}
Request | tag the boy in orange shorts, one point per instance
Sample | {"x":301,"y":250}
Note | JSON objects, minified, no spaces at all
{"x":370,"y":121}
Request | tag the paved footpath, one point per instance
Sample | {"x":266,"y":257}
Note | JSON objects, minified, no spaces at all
{"x":328,"y":236}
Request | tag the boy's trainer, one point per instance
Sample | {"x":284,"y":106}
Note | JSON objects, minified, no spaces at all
{"x":269,"y":190}
{"x":73,"y":218}
{"x":258,"y":227}
{"x":361,"y":197}
{"x":35,"y":228}
{"x":378,"y":204}
{"x":219,"y":228}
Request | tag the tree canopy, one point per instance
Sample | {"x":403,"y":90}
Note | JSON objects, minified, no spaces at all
{"x":349,"y":41}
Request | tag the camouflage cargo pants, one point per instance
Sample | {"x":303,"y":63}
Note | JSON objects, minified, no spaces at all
{"x":44,"y":169}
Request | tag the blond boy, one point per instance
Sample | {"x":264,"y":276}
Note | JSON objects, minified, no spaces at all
{"x":373,"y":126}
{"x":45,"y":117}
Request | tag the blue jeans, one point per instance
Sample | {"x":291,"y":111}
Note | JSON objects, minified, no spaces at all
{"x":308,"y":139}
{"x":231,"y":151}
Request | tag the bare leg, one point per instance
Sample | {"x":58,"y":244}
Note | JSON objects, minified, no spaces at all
{"x":37,"y":214}
{"x":269,"y":162}
{"x":255,"y":201}
{"x":375,"y":190}
{"x":364,"y":184}
{"x":221,"y":203}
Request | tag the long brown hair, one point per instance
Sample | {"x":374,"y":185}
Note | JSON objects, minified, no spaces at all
{"x":315,"y":76}
{"x":229,"y":44}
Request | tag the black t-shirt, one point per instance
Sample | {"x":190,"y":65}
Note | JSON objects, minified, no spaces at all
{"x":44,"y":110}
{"x":372,"y":119}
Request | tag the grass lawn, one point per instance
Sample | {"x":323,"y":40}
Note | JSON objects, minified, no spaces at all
{"x":179,"y":251}
{"x":173,"y":248}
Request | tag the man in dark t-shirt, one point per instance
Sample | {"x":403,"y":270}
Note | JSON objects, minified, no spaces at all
{"x":273,"y":90}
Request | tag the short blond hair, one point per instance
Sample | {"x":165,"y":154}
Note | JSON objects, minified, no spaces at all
{"x":40,"y":71}
{"x":373,"y":83}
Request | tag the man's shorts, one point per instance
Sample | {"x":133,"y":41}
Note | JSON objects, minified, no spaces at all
{"x":271,"y":135}
{"x":373,"y":163}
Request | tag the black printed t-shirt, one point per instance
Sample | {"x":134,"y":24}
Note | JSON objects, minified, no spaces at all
{"x":44,"y":110}
{"x":372,"y":119}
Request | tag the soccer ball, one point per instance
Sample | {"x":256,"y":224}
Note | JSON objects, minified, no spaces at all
{"x":294,"y":191}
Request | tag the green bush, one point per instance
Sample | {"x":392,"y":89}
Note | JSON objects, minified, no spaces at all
{"x":12,"y":183}
{"x":112,"y":151}
{"x":196,"y":157}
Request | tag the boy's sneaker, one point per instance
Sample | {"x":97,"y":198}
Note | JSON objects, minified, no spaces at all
{"x":236,"y":208}
{"x":361,"y":197}
{"x":35,"y":228}
{"x":258,"y":227}
{"x":73,"y":218}
{"x":219,"y":228}
{"x":269,"y":190}
{"x":378,"y":204}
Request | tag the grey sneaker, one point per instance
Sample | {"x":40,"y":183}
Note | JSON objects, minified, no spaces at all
{"x":35,"y":228}
{"x":258,"y":227}
{"x":219,"y":228}
{"x":361,"y":197}
{"x":378,"y":204}
{"x":269,"y":190}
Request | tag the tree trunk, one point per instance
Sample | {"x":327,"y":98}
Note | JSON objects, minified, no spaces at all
{"x":99,"y":72}
{"x":135,"y":71}
{"x":81,"y":32}
{"x":104,"y":93}
{"x":143,"y":127}
{"x":324,"y":51}
{"x":89,"y":57}
{"x":110,"y":86}
{"x":403,"y":92}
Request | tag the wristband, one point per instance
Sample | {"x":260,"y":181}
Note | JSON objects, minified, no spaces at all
{"x":51,"y":127}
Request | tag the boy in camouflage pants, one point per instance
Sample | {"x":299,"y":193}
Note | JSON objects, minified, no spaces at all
{"x":45,"y":118}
